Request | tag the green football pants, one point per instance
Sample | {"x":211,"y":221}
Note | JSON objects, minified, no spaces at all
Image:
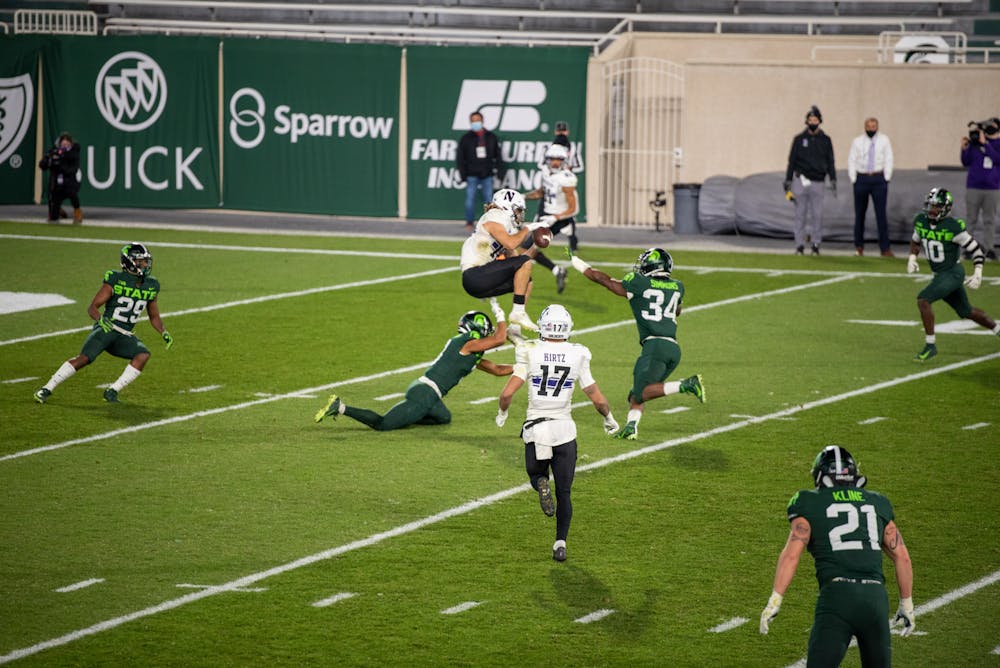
{"x":846,"y":609}
{"x":421,"y":406}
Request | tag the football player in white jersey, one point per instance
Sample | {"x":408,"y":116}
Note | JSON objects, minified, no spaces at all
{"x":493,"y":262}
{"x":552,"y":368}
{"x":559,"y":204}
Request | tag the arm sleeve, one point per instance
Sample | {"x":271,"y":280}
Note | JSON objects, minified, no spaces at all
{"x":586,"y":378}
{"x":970,"y":245}
{"x":521,"y":361}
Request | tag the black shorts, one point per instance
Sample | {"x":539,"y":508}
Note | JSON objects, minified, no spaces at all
{"x":493,"y":278}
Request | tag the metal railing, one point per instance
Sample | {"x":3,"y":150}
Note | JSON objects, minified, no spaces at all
{"x":55,"y":22}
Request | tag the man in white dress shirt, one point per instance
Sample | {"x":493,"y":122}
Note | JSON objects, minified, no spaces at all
{"x":869,"y":167}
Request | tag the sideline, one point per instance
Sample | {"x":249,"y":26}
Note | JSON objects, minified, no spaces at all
{"x":470,"y":506}
{"x":383,"y":374}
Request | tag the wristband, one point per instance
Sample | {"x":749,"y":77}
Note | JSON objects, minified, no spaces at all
{"x":579,"y":264}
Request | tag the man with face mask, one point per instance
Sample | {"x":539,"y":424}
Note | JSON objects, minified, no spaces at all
{"x":810,"y":162}
{"x":869,"y":167}
{"x":478,"y":160}
{"x":981,"y":155}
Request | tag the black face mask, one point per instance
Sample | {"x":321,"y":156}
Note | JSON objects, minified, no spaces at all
{"x":813,"y":127}
{"x":870,"y":133}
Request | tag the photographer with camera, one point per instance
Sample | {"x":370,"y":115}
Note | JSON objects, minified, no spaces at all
{"x":63,"y":162}
{"x":981,"y":155}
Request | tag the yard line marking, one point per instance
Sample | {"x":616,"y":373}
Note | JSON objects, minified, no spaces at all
{"x":461,"y":607}
{"x":253,"y":300}
{"x":594,"y":616}
{"x":336,"y":598}
{"x":414,"y":367}
{"x":206,"y":388}
{"x":740,"y":415}
{"x":79,"y":585}
{"x":676,"y":409}
{"x":978,"y":425}
{"x":872,"y":420}
{"x":488,"y":500}
{"x":733,"y":623}
{"x":252,"y":590}
{"x":996,"y":650}
{"x":484,"y":400}
{"x":940,"y":601}
{"x":18,"y":380}
{"x":951,"y":327}
{"x":387,"y":397}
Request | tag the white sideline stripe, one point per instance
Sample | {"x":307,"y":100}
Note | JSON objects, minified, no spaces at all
{"x":470,"y":506}
{"x":18,"y":380}
{"x":594,"y":616}
{"x":421,"y":366}
{"x":252,"y":300}
{"x":872,"y":420}
{"x":79,"y":585}
{"x":461,"y":607}
{"x":733,"y":623}
{"x":258,"y":249}
{"x":676,"y":409}
{"x":387,"y":397}
{"x":336,"y":598}
{"x":939,"y":602}
{"x":978,"y":425}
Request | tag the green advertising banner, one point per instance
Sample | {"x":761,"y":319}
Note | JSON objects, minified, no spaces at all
{"x":18,"y":97}
{"x":145,"y":112}
{"x":521,"y":92}
{"x":311,"y":127}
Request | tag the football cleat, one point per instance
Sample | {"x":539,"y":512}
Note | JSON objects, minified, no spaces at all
{"x":111,"y":395}
{"x":521,"y":318}
{"x":629,"y":432}
{"x":43,"y":394}
{"x":929,"y":351}
{"x":815,"y":249}
{"x":331,"y":408}
{"x":693,"y":385}
{"x":559,"y":550}
{"x":545,"y":497}
{"x":560,"y":279}
{"x":514,"y":335}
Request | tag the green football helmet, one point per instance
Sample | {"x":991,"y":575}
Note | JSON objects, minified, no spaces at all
{"x":136,"y":259}
{"x":654,"y":262}
{"x":939,"y":201}
{"x":475,"y":323}
{"x":835,"y":467}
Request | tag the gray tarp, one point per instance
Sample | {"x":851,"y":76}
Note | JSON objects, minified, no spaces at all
{"x":756,"y":205}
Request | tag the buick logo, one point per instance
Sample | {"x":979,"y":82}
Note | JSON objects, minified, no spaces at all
{"x":131,"y":91}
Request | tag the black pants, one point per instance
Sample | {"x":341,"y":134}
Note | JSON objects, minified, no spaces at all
{"x":56,"y":196}
{"x":878,"y":188}
{"x":563,"y":465}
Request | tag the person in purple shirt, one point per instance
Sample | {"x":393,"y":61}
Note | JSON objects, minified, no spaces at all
{"x":981,"y":155}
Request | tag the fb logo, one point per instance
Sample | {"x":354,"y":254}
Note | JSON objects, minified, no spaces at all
{"x":131,"y":91}
{"x":16,"y":99}
{"x":246,"y":118}
{"x":508,"y":106}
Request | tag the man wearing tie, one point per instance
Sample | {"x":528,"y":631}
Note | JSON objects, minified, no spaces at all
{"x":869,"y":167}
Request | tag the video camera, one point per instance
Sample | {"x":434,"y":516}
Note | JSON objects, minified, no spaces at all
{"x":659,"y":200}
{"x":990,"y":126}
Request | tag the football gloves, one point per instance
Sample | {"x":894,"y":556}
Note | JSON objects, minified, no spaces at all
{"x":498,"y":314}
{"x":973,"y":282}
{"x":501,"y":418}
{"x":610,"y":424}
{"x":106,"y":324}
{"x":770,"y":611}
{"x":911,"y":264}
{"x":167,"y":339}
{"x":905,"y":617}
{"x":536,"y":226}
{"x":547,"y":220}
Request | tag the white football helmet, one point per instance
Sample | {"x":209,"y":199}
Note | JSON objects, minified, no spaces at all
{"x":511,"y":201}
{"x":556,"y":152}
{"x":555,"y":322}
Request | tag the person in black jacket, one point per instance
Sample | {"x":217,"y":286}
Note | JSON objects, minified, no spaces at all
{"x":478,"y":162}
{"x":810,"y":162}
{"x":63,"y":162}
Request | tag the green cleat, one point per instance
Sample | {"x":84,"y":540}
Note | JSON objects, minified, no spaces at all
{"x":111,"y":395}
{"x":43,"y":394}
{"x":331,"y":408}
{"x":545,"y":497}
{"x":693,"y":385}
{"x":629,"y":432}
{"x":929,"y":351}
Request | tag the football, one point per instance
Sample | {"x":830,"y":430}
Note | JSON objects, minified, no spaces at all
{"x":542,"y":237}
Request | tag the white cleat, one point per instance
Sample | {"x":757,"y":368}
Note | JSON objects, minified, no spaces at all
{"x":514,"y":335}
{"x":521,"y":318}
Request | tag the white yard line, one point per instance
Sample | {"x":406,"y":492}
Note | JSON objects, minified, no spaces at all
{"x":465,"y":508}
{"x":461,"y":607}
{"x":596,"y":615}
{"x":733,"y":623}
{"x":421,"y":366}
{"x":978,"y":425}
{"x":79,"y":585}
{"x":336,"y":598}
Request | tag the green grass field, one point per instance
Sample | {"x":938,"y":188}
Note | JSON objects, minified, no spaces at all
{"x":227,"y":529}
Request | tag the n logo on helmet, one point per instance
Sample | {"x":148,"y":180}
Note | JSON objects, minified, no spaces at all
{"x":508,"y":106}
{"x":16,"y":100}
{"x":131,"y":91}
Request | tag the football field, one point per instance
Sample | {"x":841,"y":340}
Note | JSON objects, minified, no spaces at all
{"x":206,"y":520}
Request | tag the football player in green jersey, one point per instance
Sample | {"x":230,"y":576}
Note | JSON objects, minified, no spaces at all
{"x":846,"y":528}
{"x":424,"y":397}
{"x":116,"y":308}
{"x":943,"y":238}
{"x":655,"y":299}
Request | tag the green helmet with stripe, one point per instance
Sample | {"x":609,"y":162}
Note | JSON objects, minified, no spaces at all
{"x":475,"y":323}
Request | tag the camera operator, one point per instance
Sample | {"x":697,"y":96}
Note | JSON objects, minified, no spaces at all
{"x":63,"y":162}
{"x":981,"y":155}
